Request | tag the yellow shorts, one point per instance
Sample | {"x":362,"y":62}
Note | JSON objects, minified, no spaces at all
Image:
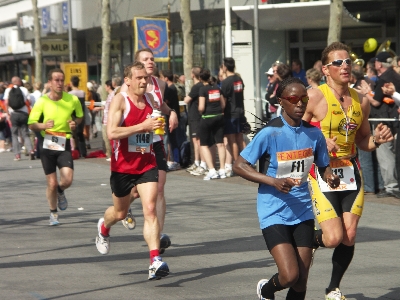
{"x":329,"y":205}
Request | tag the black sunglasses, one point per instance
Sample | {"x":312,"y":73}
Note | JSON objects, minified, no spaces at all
{"x":339,"y":62}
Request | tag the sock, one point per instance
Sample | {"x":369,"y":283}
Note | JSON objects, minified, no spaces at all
{"x":293,"y":295}
{"x":53,"y":211}
{"x":221,"y":171}
{"x":318,"y":239}
{"x":104,"y":231}
{"x":203,"y":165}
{"x":212,"y":171}
{"x":228,"y":166}
{"x":60,"y":191}
{"x":197,"y":162}
{"x":341,"y":259}
{"x":272,"y":286}
{"x":154,"y":253}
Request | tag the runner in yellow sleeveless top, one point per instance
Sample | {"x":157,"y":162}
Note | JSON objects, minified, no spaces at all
{"x":342,"y":115}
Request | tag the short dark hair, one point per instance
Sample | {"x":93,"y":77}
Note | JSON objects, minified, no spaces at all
{"x":335,"y":46}
{"x":128,"y":69}
{"x":55,"y":70}
{"x":75,"y":81}
{"x":167,"y":74}
{"x":285,"y":83}
{"x":297,"y":62}
{"x":205,"y":75}
{"x":229,"y":63}
{"x":109,"y":84}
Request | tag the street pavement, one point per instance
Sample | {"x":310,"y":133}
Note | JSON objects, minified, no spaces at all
{"x":217,"y":251}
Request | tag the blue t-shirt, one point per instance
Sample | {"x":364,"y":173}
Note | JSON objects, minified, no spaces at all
{"x":301,"y":75}
{"x":287,"y":152}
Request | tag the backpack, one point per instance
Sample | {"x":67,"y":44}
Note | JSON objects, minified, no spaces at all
{"x":184,"y":154}
{"x":16,"y":99}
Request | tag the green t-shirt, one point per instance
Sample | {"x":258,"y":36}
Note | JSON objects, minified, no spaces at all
{"x":59,"y":111}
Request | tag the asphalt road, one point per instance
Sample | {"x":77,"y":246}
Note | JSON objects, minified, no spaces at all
{"x":217,"y":249}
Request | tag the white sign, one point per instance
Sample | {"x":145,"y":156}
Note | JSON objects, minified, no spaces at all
{"x":242,"y":52}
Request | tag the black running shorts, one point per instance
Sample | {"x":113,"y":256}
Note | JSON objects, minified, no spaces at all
{"x":52,"y":159}
{"x":122,"y":184}
{"x":299,"y":235}
{"x":161,"y":157}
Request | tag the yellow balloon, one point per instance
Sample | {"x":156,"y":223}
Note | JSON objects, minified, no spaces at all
{"x":370,"y":45}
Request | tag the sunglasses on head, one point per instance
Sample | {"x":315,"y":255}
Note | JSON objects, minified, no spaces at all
{"x":339,"y":62}
{"x":295,"y":99}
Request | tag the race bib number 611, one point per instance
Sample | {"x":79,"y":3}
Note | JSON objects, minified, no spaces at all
{"x":295,"y":164}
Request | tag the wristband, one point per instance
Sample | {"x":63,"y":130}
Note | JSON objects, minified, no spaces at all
{"x":375,"y":142}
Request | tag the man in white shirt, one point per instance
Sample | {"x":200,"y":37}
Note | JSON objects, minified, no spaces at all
{"x":19,"y":120}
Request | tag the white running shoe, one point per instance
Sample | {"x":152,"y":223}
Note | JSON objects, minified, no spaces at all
{"x":335,"y":295}
{"x":102,"y":242}
{"x":222,"y":173}
{"x":260,"y":285}
{"x":229,"y":172}
{"x":191,"y":168}
{"x":213,"y":175}
{"x":54,"y":219}
{"x":158,"y":269}
{"x":129,"y":222}
{"x":62,"y":201}
{"x":199,"y":171}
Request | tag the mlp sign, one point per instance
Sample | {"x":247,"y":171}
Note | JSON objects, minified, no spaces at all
{"x":76,"y":69}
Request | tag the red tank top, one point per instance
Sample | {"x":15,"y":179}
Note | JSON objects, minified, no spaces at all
{"x":127,"y":156}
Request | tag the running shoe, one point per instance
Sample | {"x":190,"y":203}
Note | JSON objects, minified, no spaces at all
{"x":165,"y":242}
{"x":129,"y":222}
{"x":229,"y":172}
{"x":213,"y":175}
{"x":174,"y":166}
{"x":199,"y":171}
{"x":222,"y":173}
{"x":32,"y":155}
{"x":158,"y":269}
{"x":335,"y":295}
{"x":54,"y":219}
{"x":17,"y":157}
{"x":260,"y":285}
{"x":191,"y":168}
{"x":102,"y":242}
{"x":62,"y":201}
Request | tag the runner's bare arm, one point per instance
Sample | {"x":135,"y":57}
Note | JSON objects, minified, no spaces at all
{"x":173,"y":116}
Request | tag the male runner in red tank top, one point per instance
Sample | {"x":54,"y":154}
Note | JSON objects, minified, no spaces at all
{"x":133,"y":164}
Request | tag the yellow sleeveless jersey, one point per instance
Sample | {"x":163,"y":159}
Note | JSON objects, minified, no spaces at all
{"x":341,"y":124}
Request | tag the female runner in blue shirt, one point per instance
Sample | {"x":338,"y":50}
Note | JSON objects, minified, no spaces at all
{"x":288,"y":147}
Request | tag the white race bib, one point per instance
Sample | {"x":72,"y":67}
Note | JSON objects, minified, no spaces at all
{"x":140,"y":142}
{"x":345,"y":170}
{"x":295,"y":164}
{"x":54,"y":141}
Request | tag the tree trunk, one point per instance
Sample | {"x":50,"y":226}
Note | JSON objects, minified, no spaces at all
{"x":187,"y":43}
{"x":105,"y":48}
{"x":38,"y":46}
{"x":335,"y":21}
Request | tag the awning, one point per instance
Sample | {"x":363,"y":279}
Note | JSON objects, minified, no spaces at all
{"x":299,"y":15}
